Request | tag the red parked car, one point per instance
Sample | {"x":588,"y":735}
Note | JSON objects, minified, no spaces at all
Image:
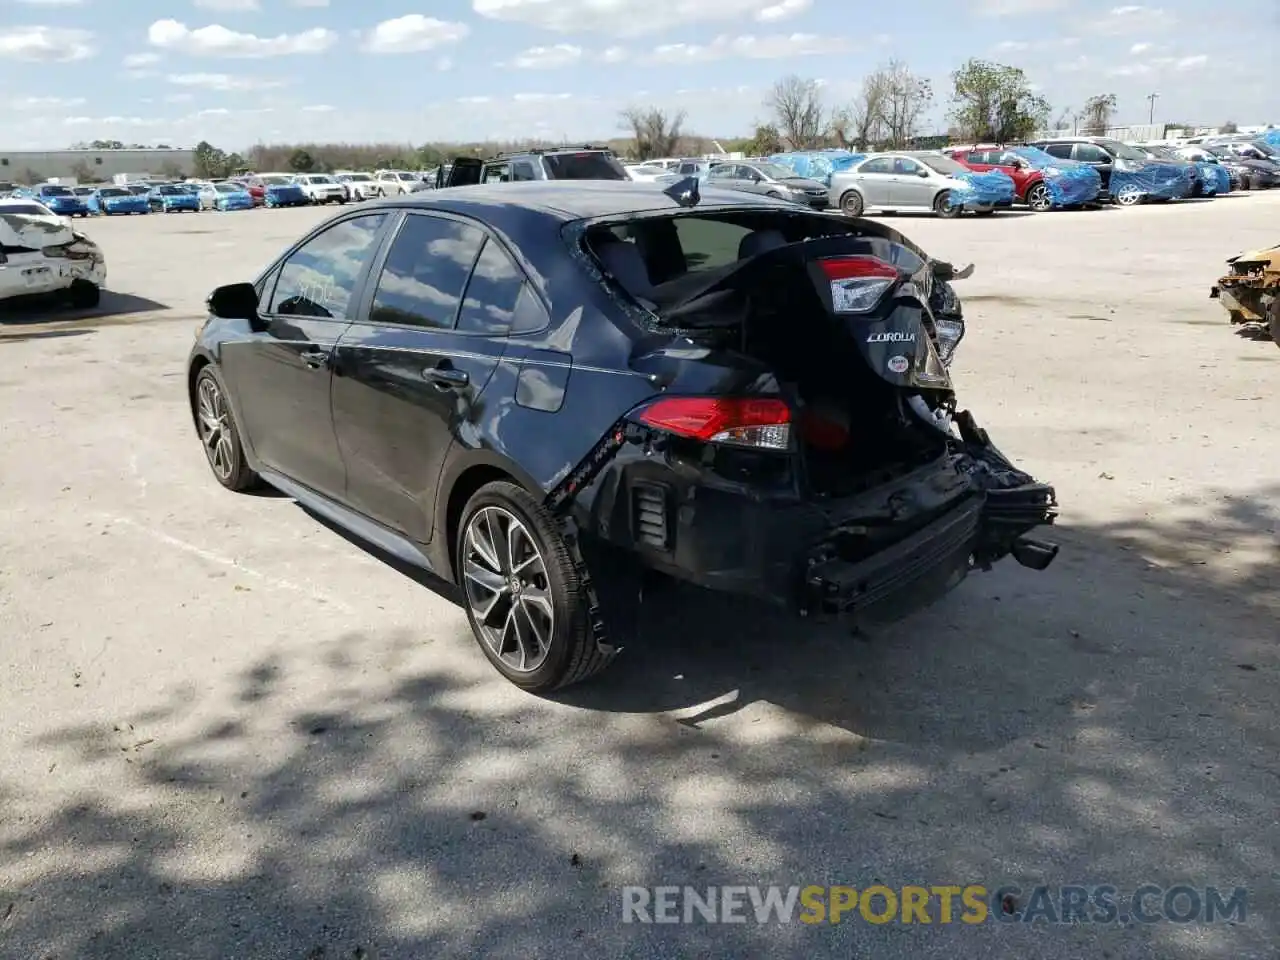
{"x":257,"y":189}
{"x":1028,"y":182}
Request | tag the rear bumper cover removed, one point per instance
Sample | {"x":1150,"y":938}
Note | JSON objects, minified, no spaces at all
{"x":877,"y":555}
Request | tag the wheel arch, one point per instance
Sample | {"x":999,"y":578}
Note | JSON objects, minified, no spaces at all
{"x":458,"y":485}
{"x":198,"y":363}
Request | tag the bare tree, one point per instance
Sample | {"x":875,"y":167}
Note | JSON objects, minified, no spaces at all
{"x":861,"y":124}
{"x":904,"y":99}
{"x":1097,"y":113}
{"x":798,"y":108}
{"x":656,"y":134}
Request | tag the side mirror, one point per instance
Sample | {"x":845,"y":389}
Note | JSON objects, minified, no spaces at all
{"x":234,"y":301}
{"x":922,"y":174}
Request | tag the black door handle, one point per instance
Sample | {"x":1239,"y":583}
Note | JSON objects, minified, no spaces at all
{"x":446,"y":378}
{"x":315,"y":359}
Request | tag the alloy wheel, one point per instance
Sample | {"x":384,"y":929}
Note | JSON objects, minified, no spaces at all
{"x":1039,"y":200}
{"x":507,"y":589}
{"x":214,"y":420}
{"x":1128,"y":195}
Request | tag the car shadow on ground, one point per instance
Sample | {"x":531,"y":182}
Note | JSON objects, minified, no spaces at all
{"x":53,"y":309}
{"x":1110,"y":720}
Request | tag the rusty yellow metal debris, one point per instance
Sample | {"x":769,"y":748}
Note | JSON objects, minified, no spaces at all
{"x":1251,"y":291}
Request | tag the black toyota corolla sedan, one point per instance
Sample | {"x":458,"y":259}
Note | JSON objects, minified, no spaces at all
{"x":549,"y":392}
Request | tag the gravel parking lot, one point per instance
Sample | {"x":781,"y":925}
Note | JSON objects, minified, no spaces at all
{"x":227,"y":731}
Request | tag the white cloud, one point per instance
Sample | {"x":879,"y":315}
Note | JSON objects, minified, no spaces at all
{"x":444,"y":64}
{"x":223,"y":81}
{"x":1190,"y":63}
{"x":1138,"y":48}
{"x":319,"y":108}
{"x":46,"y":44}
{"x":229,"y":6}
{"x":621,"y":18}
{"x":755,"y":48}
{"x":179,"y":98}
{"x":1012,"y":46}
{"x":136,"y":60}
{"x":783,"y":10}
{"x":413,"y":33}
{"x":105,"y":122}
{"x":1131,"y":70}
{"x":218,"y":41}
{"x":1078,"y":65}
{"x":1132,"y":19}
{"x":1021,"y":46}
{"x":1015,"y":8}
{"x":52,"y":3}
{"x":308,"y":3}
{"x":614,"y":55}
{"x":546,"y":58}
{"x":43,"y":103}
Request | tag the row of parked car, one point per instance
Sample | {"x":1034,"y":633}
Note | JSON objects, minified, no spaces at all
{"x":1042,"y":174}
{"x":232,"y":193}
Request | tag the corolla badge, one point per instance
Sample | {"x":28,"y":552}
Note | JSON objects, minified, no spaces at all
{"x":898,"y":364}
{"x":892,"y":336}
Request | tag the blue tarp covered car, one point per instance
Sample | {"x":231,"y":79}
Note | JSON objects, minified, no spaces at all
{"x":1135,"y":182}
{"x":1070,"y":184}
{"x":817,"y":164}
{"x":985,"y":190}
{"x":61,"y":200}
{"x":282,"y":191}
{"x":1216,"y":179}
{"x":1271,"y":138}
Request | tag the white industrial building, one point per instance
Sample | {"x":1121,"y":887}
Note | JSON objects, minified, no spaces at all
{"x":92,"y":165}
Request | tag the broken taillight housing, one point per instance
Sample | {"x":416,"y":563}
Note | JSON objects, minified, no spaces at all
{"x":858,"y":282}
{"x":762,"y":423}
{"x":76,"y":250}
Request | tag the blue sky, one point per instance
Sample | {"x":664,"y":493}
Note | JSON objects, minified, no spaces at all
{"x":238,"y":71}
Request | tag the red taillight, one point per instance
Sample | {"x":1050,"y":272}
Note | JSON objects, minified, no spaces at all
{"x":858,"y":267}
{"x":857,"y":282}
{"x":748,"y":422}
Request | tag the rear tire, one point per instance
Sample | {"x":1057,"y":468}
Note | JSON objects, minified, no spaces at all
{"x":524,"y":595}
{"x":852,"y":204}
{"x":944,"y":208}
{"x":84,"y":295}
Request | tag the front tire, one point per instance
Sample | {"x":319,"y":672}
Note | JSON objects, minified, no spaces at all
{"x":944,"y":208}
{"x":1038,"y":198}
{"x":219,"y":434}
{"x":524,"y":594}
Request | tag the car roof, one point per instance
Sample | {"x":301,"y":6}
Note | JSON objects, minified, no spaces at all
{"x":567,"y":200}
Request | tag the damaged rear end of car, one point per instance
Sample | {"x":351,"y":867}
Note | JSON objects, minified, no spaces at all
{"x":1250,"y":293}
{"x":802,"y":444}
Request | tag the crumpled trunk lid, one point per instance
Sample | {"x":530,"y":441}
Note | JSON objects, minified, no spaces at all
{"x":32,"y":231}
{"x":893,"y":338}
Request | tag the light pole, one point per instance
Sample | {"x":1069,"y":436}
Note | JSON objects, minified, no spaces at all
{"x":1151,"y":99}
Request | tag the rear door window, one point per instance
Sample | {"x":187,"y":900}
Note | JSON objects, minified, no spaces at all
{"x":522,"y":170}
{"x":905,"y":166}
{"x":497,"y":173}
{"x":878,"y":165}
{"x":492,"y":292}
{"x":425,"y":273}
{"x":708,"y":244}
{"x":1061,"y":150}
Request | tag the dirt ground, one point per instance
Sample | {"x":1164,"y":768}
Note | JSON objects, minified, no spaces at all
{"x":228,"y":731}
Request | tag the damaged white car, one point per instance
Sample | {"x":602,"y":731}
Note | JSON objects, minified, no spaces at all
{"x":40,"y":254}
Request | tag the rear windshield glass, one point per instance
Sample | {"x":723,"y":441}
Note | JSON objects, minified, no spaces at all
{"x":593,"y":165}
{"x":54,"y":190}
{"x":31,"y":209}
{"x":276,"y":181}
{"x":113,"y":192}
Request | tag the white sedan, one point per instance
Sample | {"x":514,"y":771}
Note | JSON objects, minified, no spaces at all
{"x":41,"y":254}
